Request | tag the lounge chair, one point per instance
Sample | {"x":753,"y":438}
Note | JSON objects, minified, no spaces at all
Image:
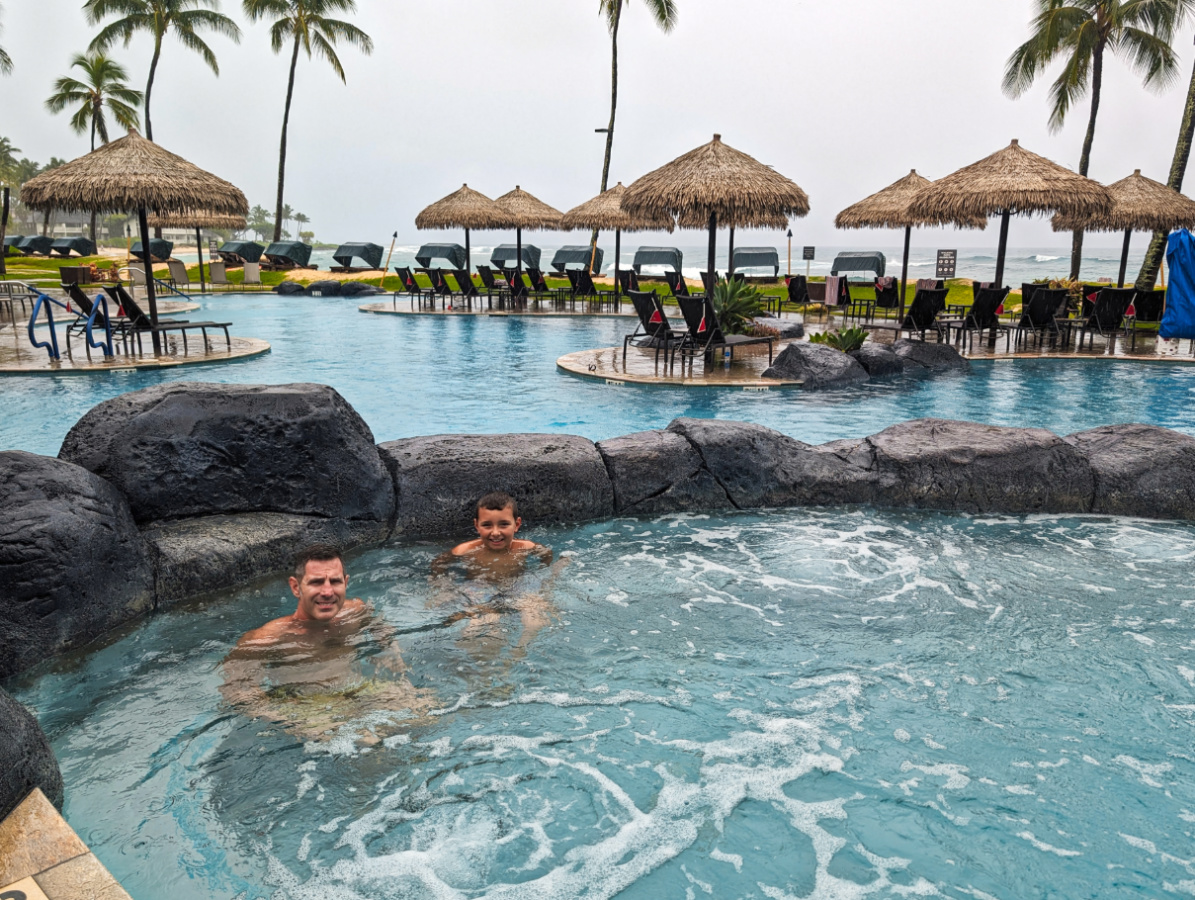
{"x":921,"y":316}
{"x":653,"y":325}
{"x":984,"y":315}
{"x":439,"y":285}
{"x":178,"y":273}
{"x":887,"y":293}
{"x":113,"y":326}
{"x":140,"y":323}
{"x":217,"y":274}
{"x":1149,"y":305}
{"x":414,"y":290}
{"x":252,"y":275}
{"x":798,"y":290}
{"x":1041,"y":312}
{"x":704,"y":336}
{"x":583,"y":287}
{"x":628,"y":280}
{"x":1109,"y":317}
{"x":465,"y":288}
{"x":541,"y":288}
{"x":677,"y":284}
{"x":518,"y":287}
{"x":709,"y":281}
{"x":491,"y":285}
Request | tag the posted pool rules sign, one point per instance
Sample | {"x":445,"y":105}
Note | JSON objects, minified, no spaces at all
{"x":946,"y":261}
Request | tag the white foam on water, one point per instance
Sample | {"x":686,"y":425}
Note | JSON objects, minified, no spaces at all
{"x":1146,"y":772}
{"x":733,"y":858}
{"x":1047,"y":848}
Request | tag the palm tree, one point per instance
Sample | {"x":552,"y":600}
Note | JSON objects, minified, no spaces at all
{"x":665,"y":14}
{"x":1080,"y":32}
{"x":159,"y":18}
{"x":8,"y":159}
{"x":103,"y":86}
{"x":306,"y":24}
{"x":5,"y":62}
{"x":286,"y":215}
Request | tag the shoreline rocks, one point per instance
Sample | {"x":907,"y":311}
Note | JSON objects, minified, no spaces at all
{"x":819,"y":366}
{"x":26,"y":759}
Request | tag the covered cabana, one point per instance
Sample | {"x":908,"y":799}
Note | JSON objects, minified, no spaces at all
{"x":657,"y":256}
{"x":64,"y":247}
{"x":716,"y":184}
{"x":370,"y":254}
{"x":237,"y":253}
{"x":457,"y":255}
{"x":1010,"y":181}
{"x":133,"y":175}
{"x":160,"y":250}
{"x":1138,"y":204}
{"x":856,"y":261}
{"x":288,"y":255}
{"x":464,"y":208}
{"x":12,"y":242}
{"x":198,"y":219}
{"x":35,"y":245}
{"x":889,"y":208}
{"x":755,"y":258}
{"x":524,"y":210}
{"x":578,"y":255}
{"x":605,"y":212}
{"x":504,"y":256}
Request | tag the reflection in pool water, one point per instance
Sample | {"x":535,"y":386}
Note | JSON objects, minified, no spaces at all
{"x":801,"y":703}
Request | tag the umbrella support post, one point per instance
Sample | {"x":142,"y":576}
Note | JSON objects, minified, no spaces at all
{"x":713,"y":249}
{"x":147,"y":261}
{"x":386,"y":268}
{"x":730,"y":258}
{"x":617,"y":281}
{"x":199,"y":250}
{"x":1124,"y":256}
{"x":1002,"y":249}
{"x":516,"y":288}
{"x":904,"y":274}
{"x":468,"y":254}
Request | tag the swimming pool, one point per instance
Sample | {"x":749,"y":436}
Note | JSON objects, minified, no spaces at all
{"x":414,"y":375}
{"x":801,"y":703}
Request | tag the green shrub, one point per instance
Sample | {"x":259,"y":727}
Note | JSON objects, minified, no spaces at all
{"x":845,"y":339}
{"x":736,"y":304}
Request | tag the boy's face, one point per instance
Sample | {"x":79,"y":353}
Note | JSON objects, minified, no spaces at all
{"x":497,"y":527}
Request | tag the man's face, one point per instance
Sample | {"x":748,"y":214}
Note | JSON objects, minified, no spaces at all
{"x":497,"y":527}
{"x":321,"y":591}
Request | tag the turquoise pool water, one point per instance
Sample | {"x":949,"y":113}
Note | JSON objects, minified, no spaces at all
{"x":819,"y":703}
{"x":426,"y":375}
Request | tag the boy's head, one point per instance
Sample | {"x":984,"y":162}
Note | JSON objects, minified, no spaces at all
{"x":497,"y":521}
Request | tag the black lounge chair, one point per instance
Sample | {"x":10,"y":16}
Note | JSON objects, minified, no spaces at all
{"x":516,"y":287}
{"x":140,"y":323}
{"x":1041,"y":312}
{"x":439,"y":285}
{"x":115,"y":326}
{"x":584,"y":288}
{"x":921,"y":316}
{"x":887,"y":293}
{"x":710,"y":282}
{"x":465,"y":288}
{"x":1109,"y":317}
{"x":676,"y":284}
{"x":491,"y":285}
{"x":653,"y":326}
{"x":1149,"y":305}
{"x":628,"y":280}
{"x":798,"y":290}
{"x":412,"y":286}
{"x":984,"y":315}
{"x":704,"y":335}
{"x":540,"y":287}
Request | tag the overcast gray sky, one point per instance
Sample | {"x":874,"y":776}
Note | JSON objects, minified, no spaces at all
{"x":842,"y":97}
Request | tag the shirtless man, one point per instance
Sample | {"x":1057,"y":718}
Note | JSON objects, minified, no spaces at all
{"x":306,"y":668}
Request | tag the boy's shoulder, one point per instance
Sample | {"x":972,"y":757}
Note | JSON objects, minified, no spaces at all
{"x":466,"y":547}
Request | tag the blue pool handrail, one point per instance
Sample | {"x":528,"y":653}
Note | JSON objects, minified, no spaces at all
{"x":99,"y":304}
{"x":50,"y":346}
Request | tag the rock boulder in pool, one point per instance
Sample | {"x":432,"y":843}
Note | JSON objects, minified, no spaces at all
{"x":968,"y":467}
{"x":26,"y":760}
{"x":817,"y":365}
{"x":933,"y":356}
{"x":878,"y":360}
{"x":439,"y":479}
{"x":195,"y":449}
{"x":324,"y":288}
{"x":290,"y":288}
{"x":659,"y":471}
{"x":757,"y":466}
{"x":71,"y":559}
{"x":357,"y":289}
{"x":1140,"y":470}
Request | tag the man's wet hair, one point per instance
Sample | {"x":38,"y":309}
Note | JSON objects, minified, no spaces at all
{"x":497,"y":500}
{"x":315,"y":553}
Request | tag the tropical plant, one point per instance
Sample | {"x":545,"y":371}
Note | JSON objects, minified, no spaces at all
{"x":259,"y":222}
{"x":306,"y":24}
{"x":286,"y":215}
{"x":8,"y":159}
{"x":736,"y":304}
{"x":5,"y":62}
{"x":159,"y":17}
{"x":1080,"y":32}
{"x":844,"y":339}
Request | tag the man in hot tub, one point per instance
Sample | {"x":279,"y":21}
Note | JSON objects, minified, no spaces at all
{"x":329,"y":661}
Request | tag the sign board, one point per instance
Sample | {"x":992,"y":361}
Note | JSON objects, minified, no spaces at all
{"x":212,"y":245}
{"x":807,"y":253}
{"x":946,"y":261}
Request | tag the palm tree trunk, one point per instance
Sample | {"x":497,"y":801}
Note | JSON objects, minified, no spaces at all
{"x":45,"y":224}
{"x":94,"y":240}
{"x":290,"y":92}
{"x":149,"y":85}
{"x":1097,"y":77}
{"x":1148,"y":276}
{"x":613,"y":109}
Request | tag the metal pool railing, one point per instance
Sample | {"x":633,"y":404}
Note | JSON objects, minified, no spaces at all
{"x":50,"y":346}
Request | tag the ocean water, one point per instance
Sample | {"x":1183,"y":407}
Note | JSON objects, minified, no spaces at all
{"x":808,"y":703}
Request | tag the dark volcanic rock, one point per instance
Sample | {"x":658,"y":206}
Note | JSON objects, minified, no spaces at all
{"x":290,"y":288}
{"x":357,"y":289}
{"x":964,"y":466}
{"x":786,"y":327}
{"x":213,"y":553}
{"x":878,"y":360}
{"x":71,"y":559}
{"x":817,"y":365}
{"x":324,"y":288}
{"x":194,"y":449}
{"x":1140,"y":470}
{"x":757,"y":466}
{"x":26,"y":760}
{"x":926,"y":355}
{"x":439,"y":479}
{"x":657,"y":472}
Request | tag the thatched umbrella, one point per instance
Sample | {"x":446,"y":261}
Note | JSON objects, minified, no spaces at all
{"x":1138,"y":204}
{"x":525,"y":211}
{"x":716,"y":183}
{"x":197,"y":220}
{"x":464,"y":208}
{"x":133,"y":174}
{"x":889,"y":208}
{"x":1011,"y":180}
{"x":605,"y":212}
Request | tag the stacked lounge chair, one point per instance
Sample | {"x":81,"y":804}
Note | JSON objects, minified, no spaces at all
{"x":704,"y":337}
